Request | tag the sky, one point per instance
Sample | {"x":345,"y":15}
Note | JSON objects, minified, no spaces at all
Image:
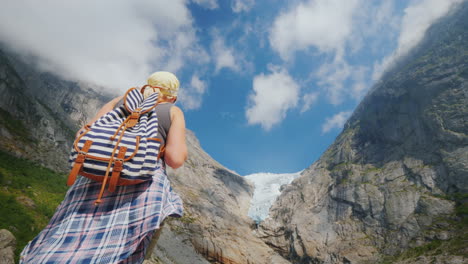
{"x":266,"y":85}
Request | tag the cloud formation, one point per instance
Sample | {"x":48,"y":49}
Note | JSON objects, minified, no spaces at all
{"x":272,"y":96}
{"x":191,"y":96}
{"x":208,"y":4}
{"x":336,"y":122}
{"x":223,"y":55}
{"x":308,"y":100}
{"x":242,"y":5}
{"x":333,"y":28}
{"x":419,"y":16}
{"x":324,"y":24}
{"x":113,"y":44}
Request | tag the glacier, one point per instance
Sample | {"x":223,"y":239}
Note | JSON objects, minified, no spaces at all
{"x":267,"y":189}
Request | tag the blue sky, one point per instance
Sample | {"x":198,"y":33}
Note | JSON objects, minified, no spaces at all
{"x":265,"y":85}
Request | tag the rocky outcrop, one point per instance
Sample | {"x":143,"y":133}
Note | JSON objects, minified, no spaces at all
{"x":7,"y":247}
{"x":174,"y":247}
{"x":383,"y":185}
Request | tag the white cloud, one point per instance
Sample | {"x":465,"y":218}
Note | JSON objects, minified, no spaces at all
{"x":208,"y":4}
{"x":223,"y":56}
{"x":273,"y":95}
{"x":330,"y":26}
{"x":419,"y":16}
{"x":308,"y":100}
{"x":340,"y":80}
{"x":324,"y":24}
{"x":336,"y":122}
{"x":242,"y":5}
{"x":332,"y":77}
{"x":360,"y":85}
{"x":191,"y":97}
{"x":114,"y":44}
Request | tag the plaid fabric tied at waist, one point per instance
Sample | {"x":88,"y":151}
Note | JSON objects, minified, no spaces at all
{"x":116,"y":231}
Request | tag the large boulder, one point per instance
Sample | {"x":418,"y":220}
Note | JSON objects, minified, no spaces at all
{"x":7,"y":247}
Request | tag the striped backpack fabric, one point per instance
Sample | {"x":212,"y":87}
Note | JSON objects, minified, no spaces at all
{"x":122,"y":146}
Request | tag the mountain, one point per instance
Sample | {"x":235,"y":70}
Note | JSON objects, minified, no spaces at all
{"x":39,"y":114}
{"x":393,"y":186}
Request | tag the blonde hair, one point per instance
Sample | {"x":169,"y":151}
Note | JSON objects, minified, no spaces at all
{"x":163,"y":82}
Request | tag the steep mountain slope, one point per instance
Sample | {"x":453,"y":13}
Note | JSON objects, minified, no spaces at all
{"x":394,"y":176}
{"x":39,"y":114}
{"x":216,"y":201}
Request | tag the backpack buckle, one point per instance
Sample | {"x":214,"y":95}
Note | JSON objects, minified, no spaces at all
{"x":134,"y":116}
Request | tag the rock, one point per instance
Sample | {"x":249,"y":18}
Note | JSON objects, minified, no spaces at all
{"x":26,"y":201}
{"x":216,"y":203}
{"x":7,"y":247}
{"x":175,"y":248}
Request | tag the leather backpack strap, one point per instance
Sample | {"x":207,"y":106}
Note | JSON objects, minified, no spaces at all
{"x":118,"y":167}
{"x":79,"y":162}
{"x":161,"y":152}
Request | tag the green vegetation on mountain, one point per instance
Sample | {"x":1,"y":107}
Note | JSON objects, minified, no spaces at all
{"x":29,"y":195}
{"x":15,"y":127}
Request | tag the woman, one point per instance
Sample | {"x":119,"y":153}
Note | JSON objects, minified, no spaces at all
{"x":120,"y":228}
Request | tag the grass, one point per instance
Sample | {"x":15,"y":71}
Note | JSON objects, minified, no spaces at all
{"x":15,"y":126}
{"x":186,"y":219}
{"x":20,"y":178}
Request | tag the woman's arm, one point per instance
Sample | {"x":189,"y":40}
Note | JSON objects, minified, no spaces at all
{"x":104,"y":110}
{"x":176,"y":148}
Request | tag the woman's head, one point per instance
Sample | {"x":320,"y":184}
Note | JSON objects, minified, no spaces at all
{"x":166,"y":83}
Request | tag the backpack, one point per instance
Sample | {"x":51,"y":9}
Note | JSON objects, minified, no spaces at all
{"x":122,"y":144}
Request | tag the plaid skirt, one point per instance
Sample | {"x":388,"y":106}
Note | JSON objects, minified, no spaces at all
{"x":118,"y":230}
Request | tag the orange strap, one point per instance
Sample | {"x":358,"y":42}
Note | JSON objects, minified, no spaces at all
{"x":118,"y":167}
{"x":111,"y":160}
{"x":79,"y":162}
{"x":162,"y":149}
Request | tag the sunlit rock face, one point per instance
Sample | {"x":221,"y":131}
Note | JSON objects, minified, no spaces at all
{"x":217,"y":201}
{"x":382,"y":186}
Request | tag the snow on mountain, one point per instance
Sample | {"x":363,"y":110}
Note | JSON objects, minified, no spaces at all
{"x":267,"y":188}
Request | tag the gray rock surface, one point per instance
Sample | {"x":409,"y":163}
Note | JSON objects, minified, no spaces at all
{"x":39,"y":113}
{"x":382,"y":186}
{"x":7,"y":247}
{"x":175,"y":248}
{"x":216,"y":202}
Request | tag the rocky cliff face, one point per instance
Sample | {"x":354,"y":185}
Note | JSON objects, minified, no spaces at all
{"x":216,"y":202}
{"x":385,"y":183}
{"x":39,"y":113}
{"x":39,"y":116}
